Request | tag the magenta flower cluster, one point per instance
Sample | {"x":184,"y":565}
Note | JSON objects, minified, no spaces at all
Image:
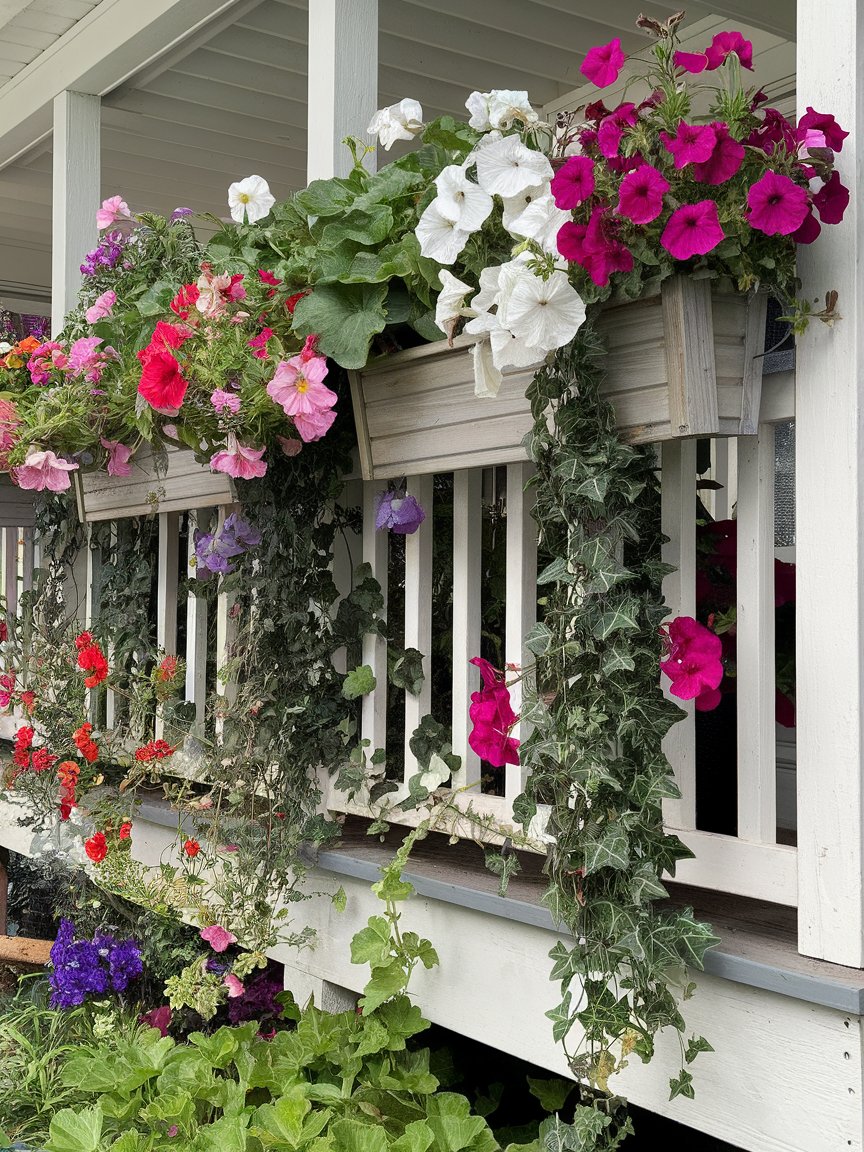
{"x":82,"y":968}
{"x":632,"y":172}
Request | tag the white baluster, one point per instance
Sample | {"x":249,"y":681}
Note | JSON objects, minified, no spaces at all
{"x":166,"y":592}
{"x":521,"y":593}
{"x":467,"y":581}
{"x":196,"y":628}
{"x":373,"y":709}
{"x":418,"y":609}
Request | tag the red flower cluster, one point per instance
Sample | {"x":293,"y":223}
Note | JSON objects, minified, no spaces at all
{"x":192,"y":848}
{"x":166,"y":669}
{"x":28,"y":701}
{"x":96,"y":847}
{"x":185,"y":299}
{"x":41,"y":760}
{"x":83,"y":742}
{"x":67,"y":776}
{"x":153,"y":750}
{"x":162,"y":384}
{"x":693,"y":662}
{"x":91,"y":659}
{"x":23,"y":744}
{"x":125,"y":832}
{"x":493,"y":718}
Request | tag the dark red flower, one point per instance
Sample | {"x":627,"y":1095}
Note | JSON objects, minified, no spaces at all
{"x":824,"y":122}
{"x":832,"y":200}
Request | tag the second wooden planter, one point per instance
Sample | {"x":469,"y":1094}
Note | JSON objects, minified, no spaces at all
{"x":686,"y":362}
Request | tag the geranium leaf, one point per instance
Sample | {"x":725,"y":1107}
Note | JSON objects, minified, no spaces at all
{"x":346,"y":316}
{"x":75,"y":1130}
{"x":360,"y":681}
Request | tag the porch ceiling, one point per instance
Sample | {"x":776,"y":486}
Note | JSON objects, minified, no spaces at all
{"x":232,"y":99}
{"x":28,"y":27}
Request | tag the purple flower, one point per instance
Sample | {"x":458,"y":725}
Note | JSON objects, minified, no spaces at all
{"x":82,"y":968}
{"x":258,"y":1001}
{"x":398,"y":512}
{"x":180,"y":214}
{"x":214,"y":551}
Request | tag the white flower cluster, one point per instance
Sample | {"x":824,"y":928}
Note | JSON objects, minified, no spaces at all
{"x":400,"y":121}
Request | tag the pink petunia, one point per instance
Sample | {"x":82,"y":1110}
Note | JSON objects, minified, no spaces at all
{"x":259,"y":343}
{"x":118,"y":457}
{"x":573,"y":183}
{"x":43,"y":359}
{"x":640,"y":195}
{"x":724,"y":161}
{"x":693,"y":658}
{"x":290,"y":446}
{"x":809,"y":231}
{"x":112,"y":210}
{"x":832,"y":200}
{"x":493,"y":718}
{"x":101,"y":307}
{"x":612,"y":129}
{"x":692,"y":230}
{"x":233,"y":984}
{"x":723,"y":44}
{"x":825,"y":123}
{"x":267,"y":277}
{"x":217,"y":937}
{"x":241,"y":461}
{"x":776,"y":205}
{"x":571,"y":241}
{"x":225,"y":401}
{"x":708,"y":699}
{"x":602,"y":64}
{"x":44,"y":470}
{"x":298,"y":384}
{"x":693,"y":62}
{"x":603,"y":252}
{"x":691,"y":144}
{"x":313,"y":425}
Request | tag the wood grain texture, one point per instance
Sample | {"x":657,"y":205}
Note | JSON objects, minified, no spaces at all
{"x":183,"y":484}
{"x":17,"y":506}
{"x":688,"y":336}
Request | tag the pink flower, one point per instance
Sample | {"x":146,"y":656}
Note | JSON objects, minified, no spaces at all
{"x":708,"y":699}
{"x":832,"y":200}
{"x":724,"y":161}
{"x":239,"y":460}
{"x":87,"y":359}
{"x":775,"y":131}
{"x":596,"y":246}
{"x":259,"y":343}
{"x":43,"y":470}
{"x":111,"y":211}
{"x":602,"y":65}
{"x":290,"y":447}
{"x":267,"y":277}
{"x":101,"y":307}
{"x":298,"y":384}
{"x":824,"y":122}
{"x":692,"y":230}
{"x":493,"y":718}
{"x":233,"y":984}
{"x":44,"y":358}
{"x":118,"y":457}
{"x":640,"y":195}
{"x":571,"y":241}
{"x":693,"y":658}
{"x":215,"y":293}
{"x":692,"y":143}
{"x":313,"y":425}
{"x":776,"y":205}
{"x":159,"y":1018}
{"x":7,"y":689}
{"x":694,"y":62}
{"x":218,"y":937}
{"x":725,"y":43}
{"x":225,"y":401}
{"x":573,"y":182}
{"x":809,"y":230}
{"x":612,"y":129}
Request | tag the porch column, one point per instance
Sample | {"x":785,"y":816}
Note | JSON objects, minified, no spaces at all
{"x":76,"y":188}
{"x":343,"y":82}
{"x":830,"y":516}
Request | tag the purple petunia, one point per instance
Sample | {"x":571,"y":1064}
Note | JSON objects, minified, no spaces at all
{"x":82,"y":968}
{"x":106,"y":255}
{"x":398,"y":512}
{"x":214,"y":551}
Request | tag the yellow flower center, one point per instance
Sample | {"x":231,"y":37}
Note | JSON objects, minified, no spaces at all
{"x":302,"y":384}
{"x":245,"y":198}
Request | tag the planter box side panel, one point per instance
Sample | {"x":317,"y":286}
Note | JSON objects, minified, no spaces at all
{"x":636,"y":378}
{"x":186,"y":484}
{"x":17,"y":505}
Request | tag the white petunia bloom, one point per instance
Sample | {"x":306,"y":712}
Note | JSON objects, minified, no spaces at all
{"x":400,"y":121}
{"x":487,"y":378}
{"x":546,"y":314}
{"x":451,"y":302}
{"x":250,"y":199}
{"x":541,"y":221}
{"x":440,"y":239}
{"x":499,"y":108}
{"x":461,"y":200}
{"x":514,"y":206}
{"x":507,"y":167}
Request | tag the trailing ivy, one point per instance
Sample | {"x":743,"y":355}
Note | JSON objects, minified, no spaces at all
{"x":598,"y":718}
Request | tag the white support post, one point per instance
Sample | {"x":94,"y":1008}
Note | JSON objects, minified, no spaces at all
{"x":679,"y":590}
{"x":166,"y":593}
{"x":467,"y":583}
{"x":520,"y":614}
{"x":10,"y":570}
{"x":196,"y":629}
{"x":755,"y":661}
{"x":226,"y":631}
{"x":418,"y":609}
{"x":343,"y":82}
{"x":830,"y":516}
{"x":76,"y":188}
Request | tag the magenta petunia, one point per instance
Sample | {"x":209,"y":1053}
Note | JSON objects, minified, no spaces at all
{"x":693,"y":659}
{"x":573,"y":182}
{"x":724,"y":161}
{"x":640,"y":196}
{"x":612,"y":129}
{"x":694,"y":62}
{"x":809,"y":231}
{"x":775,"y":131}
{"x":725,"y":43}
{"x":691,"y":144}
{"x":571,"y":241}
{"x":493,"y":718}
{"x":596,"y":246}
{"x":824,"y":122}
{"x":776,"y":205}
{"x":832,"y":200}
{"x":692,"y":230}
{"x":602,"y":64}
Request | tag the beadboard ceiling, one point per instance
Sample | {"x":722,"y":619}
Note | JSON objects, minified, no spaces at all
{"x":232,"y":99}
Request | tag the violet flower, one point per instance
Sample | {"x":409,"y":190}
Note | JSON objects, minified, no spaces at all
{"x":398,"y":512}
{"x":214,"y":551}
{"x":82,"y":968}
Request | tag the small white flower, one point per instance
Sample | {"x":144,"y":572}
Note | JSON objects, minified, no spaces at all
{"x":5,"y":347}
{"x":250,"y":199}
{"x":541,"y":221}
{"x":451,"y":302}
{"x":461,"y":200}
{"x":546,"y":314}
{"x":507,"y":167}
{"x":400,"y":121}
{"x":439,"y":238}
{"x":515,"y":205}
{"x":499,"y":108}
{"x":487,"y":378}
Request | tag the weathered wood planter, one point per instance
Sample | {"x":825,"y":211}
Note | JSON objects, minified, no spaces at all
{"x":17,"y":505}
{"x":686,"y":362}
{"x":185,"y":484}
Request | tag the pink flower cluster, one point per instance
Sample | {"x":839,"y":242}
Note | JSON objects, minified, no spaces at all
{"x":84,"y":359}
{"x":693,"y":662}
{"x":672,"y":179}
{"x":493,"y":718}
{"x":298,"y":386}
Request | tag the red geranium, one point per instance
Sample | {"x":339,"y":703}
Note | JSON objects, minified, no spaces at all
{"x":192,"y":848}
{"x":185,"y":300}
{"x":91,"y":659}
{"x":96,"y":847}
{"x":23,"y":744}
{"x":162,"y":385}
{"x":67,"y":775}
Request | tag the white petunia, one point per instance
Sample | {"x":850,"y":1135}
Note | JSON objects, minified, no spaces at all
{"x":487,"y":378}
{"x":439,"y":237}
{"x":250,"y":199}
{"x":462,"y":200}
{"x":515,"y":205}
{"x":400,"y":121}
{"x":478,"y":105}
{"x":541,"y":221}
{"x":499,"y":108}
{"x":506,"y":350}
{"x":451,"y":301}
{"x":507,"y":167}
{"x":5,"y":347}
{"x":546,"y":314}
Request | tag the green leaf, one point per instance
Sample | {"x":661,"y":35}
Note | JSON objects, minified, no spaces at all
{"x":359,"y":682}
{"x":696,"y":1045}
{"x":682,"y":1085}
{"x":452,"y":1125}
{"x":402,"y":1019}
{"x":340,"y":900}
{"x":363,"y":227}
{"x":405,"y":669}
{"x":75,"y":1130}
{"x":417,"y":1137}
{"x":156,"y":299}
{"x":624,"y":618}
{"x":387,"y":981}
{"x":372,"y":945}
{"x":345,"y":317}
{"x":551,"y":1093}
{"x":355,"y":1136}
{"x":612,"y":850}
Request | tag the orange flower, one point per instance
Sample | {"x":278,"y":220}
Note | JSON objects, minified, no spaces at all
{"x":26,"y":346}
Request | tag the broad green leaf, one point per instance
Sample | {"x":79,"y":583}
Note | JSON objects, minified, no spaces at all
{"x":226,"y":1134}
{"x":75,"y":1130}
{"x":345,"y":317}
{"x":156,"y":299}
{"x":612,"y":850}
{"x":402,"y":1019}
{"x":405,"y":669}
{"x":360,"y":681}
{"x":372,"y":945}
{"x":417,"y":1137}
{"x":326,"y":197}
{"x":386,"y":981}
{"x":219,"y":1049}
{"x":624,"y":618}
{"x":552,"y":1093}
{"x":453,"y":1127}
{"x":368,"y":227}
{"x":355,"y":1136}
